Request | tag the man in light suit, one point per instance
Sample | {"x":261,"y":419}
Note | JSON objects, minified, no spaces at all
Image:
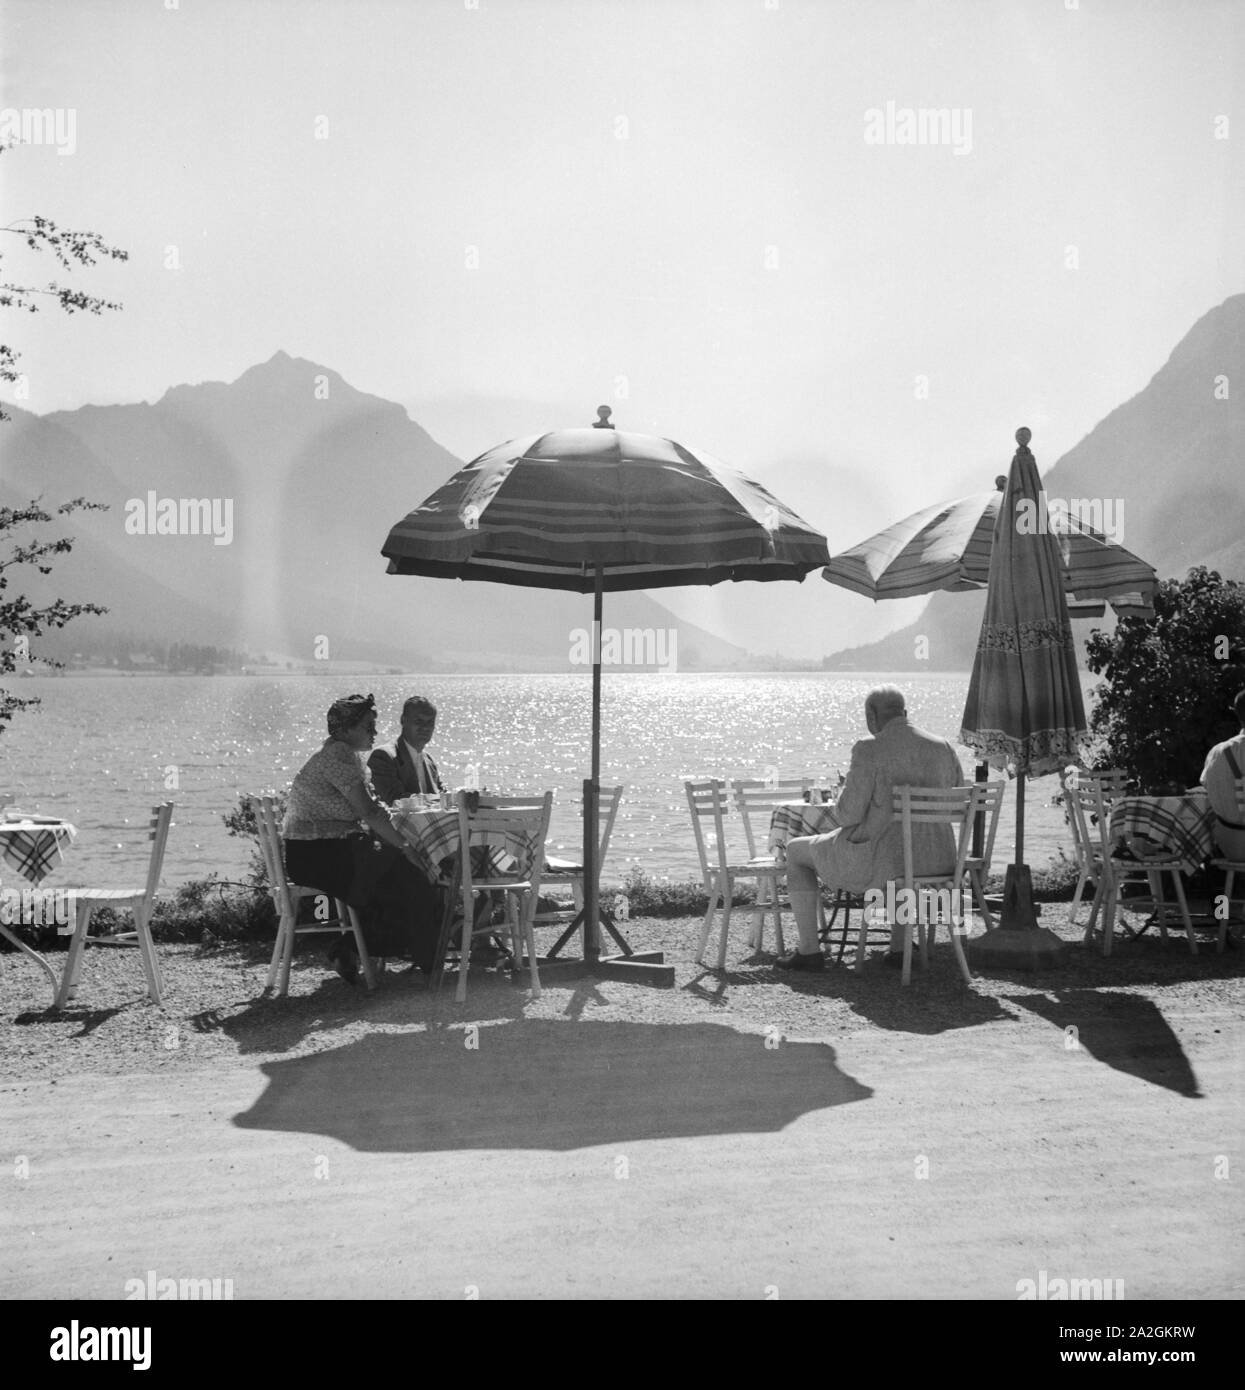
{"x":867,"y":850}
{"x":1224,"y":764}
{"x":405,"y":767}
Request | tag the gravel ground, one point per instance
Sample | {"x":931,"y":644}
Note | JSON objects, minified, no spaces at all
{"x":215,"y":1009}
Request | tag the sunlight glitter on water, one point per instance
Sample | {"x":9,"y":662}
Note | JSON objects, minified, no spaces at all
{"x":101,"y":750}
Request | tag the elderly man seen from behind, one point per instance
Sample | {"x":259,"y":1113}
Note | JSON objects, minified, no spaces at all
{"x":867,"y":850}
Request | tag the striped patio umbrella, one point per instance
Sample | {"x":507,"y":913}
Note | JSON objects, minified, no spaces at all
{"x":1024,"y":709}
{"x":601,"y":509}
{"x":948,"y":546}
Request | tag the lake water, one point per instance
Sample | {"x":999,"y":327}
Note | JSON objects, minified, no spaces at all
{"x":101,"y":750}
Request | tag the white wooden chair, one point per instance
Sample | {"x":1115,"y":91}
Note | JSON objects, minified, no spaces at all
{"x":1092,"y":804}
{"x":756,"y":800}
{"x":953,"y":806}
{"x":706,"y":801}
{"x":571,"y":871}
{"x":1231,"y":867}
{"x":1113,"y":782}
{"x":288,"y":897}
{"x":977,"y":867}
{"x":139,"y":901}
{"x":522,"y":822}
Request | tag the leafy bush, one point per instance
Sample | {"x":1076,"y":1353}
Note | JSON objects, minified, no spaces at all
{"x":648,"y":898}
{"x":242,"y":823}
{"x":1170,"y":681}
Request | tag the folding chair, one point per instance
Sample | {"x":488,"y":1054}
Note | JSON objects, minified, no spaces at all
{"x":1112,"y":871}
{"x":139,"y":901}
{"x":288,"y":897}
{"x":520,"y":824}
{"x":706,"y":800}
{"x":571,"y":871}
{"x":1231,"y":867}
{"x":989,"y":804}
{"x":953,"y":806}
{"x":1113,"y":782}
{"x":757,"y":798}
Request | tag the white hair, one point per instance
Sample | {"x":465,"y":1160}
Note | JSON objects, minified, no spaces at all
{"x":886,"y":702}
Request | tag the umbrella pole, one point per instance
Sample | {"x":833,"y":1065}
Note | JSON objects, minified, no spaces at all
{"x":592,"y":788}
{"x":1020,"y":819}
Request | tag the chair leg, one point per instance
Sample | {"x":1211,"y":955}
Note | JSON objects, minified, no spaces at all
{"x":782,"y":949}
{"x":957,"y":940}
{"x":861,"y":938}
{"x":287,"y":955}
{"x":707,"y":925}
{"x":726,"y":921}
{"x":349,"y":916}
{"x":147,"y":950}
{"x":1155,"y":879}
{"x":277,"y":947}
{"x":1229,"y":880}
{"x":1108,"y":909}
{"x":1094,"y":908}
{"x":1082,"y":880}
{"x":1178,"y":880}
{"x":464,"y":950}
{"x":77,"y":944}
{"x":979,"y":896}
{"x":529,"y":935}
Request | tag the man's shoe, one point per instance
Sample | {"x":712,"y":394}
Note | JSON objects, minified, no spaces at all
{"x":344,"y":958}
{"x":895,"y":958}
{"x":797,"y":960}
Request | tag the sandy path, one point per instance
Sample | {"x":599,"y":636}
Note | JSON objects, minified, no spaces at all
{"x":598,"y":1159}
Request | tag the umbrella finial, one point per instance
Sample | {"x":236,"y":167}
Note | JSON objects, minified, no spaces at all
{"x":1023,"y":436}
{"x":602,"y":422}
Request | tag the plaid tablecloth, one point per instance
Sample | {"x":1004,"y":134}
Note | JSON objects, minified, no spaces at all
{"x":1181,"y":825}
{"x":435,"y":834}
{"x":34,"y":849}
{"x":795,"y":818}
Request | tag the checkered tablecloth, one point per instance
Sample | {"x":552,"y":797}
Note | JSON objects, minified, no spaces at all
{"x":795,"y":818}
{"x":1181,"y":825}
{"x":33,"y":848}
{"x":435,"y":834}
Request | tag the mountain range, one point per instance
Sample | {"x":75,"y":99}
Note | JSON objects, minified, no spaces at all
{"x":1171,"y":460}
{"x":316,"y":472}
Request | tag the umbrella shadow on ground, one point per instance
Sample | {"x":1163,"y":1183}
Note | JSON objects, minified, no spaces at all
{"x":1125,"y":1031}
{"x":544,"y":1084}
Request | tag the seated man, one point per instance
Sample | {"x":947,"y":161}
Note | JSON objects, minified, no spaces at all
{"x":1224,"y":764}
{"x":404,"y":767}
{"x":867,"y":851}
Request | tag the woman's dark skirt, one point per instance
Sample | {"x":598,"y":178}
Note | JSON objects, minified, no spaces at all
{"x":398,"y":907}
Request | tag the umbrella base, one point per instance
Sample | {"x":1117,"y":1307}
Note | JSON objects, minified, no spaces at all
{"x":1031,"y":948}
{"x":643,"y":967}
{"x":1017,"y":943}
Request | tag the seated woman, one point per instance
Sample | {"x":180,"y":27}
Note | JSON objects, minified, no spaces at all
{"x":327,"y":848}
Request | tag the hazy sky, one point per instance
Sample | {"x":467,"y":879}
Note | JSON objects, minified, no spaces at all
{"x":536,"y":200}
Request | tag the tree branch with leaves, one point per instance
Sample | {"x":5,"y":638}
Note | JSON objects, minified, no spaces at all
{"x":21,"y":527}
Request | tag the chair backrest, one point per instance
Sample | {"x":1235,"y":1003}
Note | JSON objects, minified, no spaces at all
{"x":521,"y":820}
{"x":158,"y":834}
{"x":1090,"y":802}
{"x":989,"y":803}
{"x":953,"y":806}
{"x":607,"y":812}
{"x":706,"y":802}
{"x":756,"y":797}
{"x":264,"y":809}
